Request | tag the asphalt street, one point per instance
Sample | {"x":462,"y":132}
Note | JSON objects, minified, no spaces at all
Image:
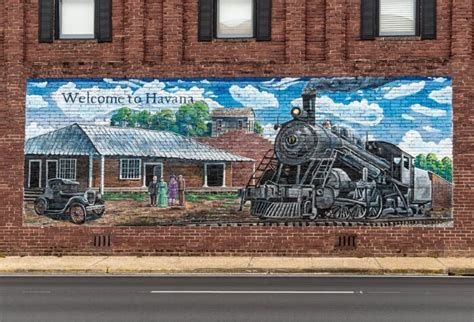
{"x":236,"y":298}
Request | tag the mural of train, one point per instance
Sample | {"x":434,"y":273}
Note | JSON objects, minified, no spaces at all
{"x":326,"y":171}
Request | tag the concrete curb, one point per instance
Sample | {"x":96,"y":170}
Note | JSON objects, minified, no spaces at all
{"x":235,"y":265}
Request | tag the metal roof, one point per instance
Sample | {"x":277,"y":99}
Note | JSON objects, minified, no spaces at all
{"x":76,"y":140}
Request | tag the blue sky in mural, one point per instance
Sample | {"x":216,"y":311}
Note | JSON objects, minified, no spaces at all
{"x":413,"y":112}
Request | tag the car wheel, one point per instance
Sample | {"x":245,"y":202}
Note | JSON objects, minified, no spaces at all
{"x":78,"y":213}
{"x":41,"y":205}
{"x":99,"y":213}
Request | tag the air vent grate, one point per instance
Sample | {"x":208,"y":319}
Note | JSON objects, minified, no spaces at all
{"x":346,"y":242}
{"x":102,"y":240}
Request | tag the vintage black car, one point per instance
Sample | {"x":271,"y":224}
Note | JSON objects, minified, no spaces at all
{"x":61,"y":196}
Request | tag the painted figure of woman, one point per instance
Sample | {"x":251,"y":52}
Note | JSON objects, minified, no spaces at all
{"x":163,"y":192}
{"x":172,"y":190}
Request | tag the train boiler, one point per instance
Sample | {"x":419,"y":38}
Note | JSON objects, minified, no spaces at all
{"x":326,"y":171}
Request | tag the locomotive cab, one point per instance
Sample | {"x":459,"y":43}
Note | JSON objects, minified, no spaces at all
{"x":402,"y":164}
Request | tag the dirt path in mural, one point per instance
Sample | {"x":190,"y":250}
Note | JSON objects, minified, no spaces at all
{"x":129,"y":212}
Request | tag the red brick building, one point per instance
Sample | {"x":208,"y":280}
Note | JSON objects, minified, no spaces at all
{"x":146,"y":38}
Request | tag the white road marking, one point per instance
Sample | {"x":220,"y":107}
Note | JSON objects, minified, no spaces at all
{"x":36,"y":292}
{"x":251,"y":292}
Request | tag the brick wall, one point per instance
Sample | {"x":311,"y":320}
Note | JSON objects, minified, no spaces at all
{"x":158,"y":39}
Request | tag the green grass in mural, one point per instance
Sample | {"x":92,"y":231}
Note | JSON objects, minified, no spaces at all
{"x":119,"y":196}
{"x":203,"y":196}
{"x":190,"y":196}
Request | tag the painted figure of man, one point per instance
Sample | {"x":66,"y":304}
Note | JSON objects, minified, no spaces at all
{"x":327,"y":124}
{"x":181,"y":189}
{"x":172,"y":190}
{"x":153,"y":190}
{"x":163,"y":194}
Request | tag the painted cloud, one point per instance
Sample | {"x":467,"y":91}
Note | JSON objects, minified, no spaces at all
{"x":35,"y":101}
{"x":249,"y":96}
{"x":360,"y":112}
{"x":433,"y":112}
{"x":404,"y":90}
{"x":34,"y":129}
{"x":442,"y":96}
{"x":407,"y":117}
{"x":413,"y":143}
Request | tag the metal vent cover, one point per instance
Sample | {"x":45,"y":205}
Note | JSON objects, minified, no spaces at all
{"x":101,"y":240}
{"x":346,"y":242}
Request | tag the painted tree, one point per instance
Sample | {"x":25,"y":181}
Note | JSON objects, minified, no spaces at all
{"x":164,"y":120}
{"x":192,"y":119}
{"x":430,"y":162}
{"x":122,"y":117}
{"x":189,"y":120}
{"x":447,"y":168}
{"x":258,"y":128}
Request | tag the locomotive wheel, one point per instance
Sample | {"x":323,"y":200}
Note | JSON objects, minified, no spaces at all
{"x":375,"y":205}
{"x":340,"y":212}
{"x":358,"y":212}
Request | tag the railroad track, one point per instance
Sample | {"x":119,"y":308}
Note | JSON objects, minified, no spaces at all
{"x":389,"y":222}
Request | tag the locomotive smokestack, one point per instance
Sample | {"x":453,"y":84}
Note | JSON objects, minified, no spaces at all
{"x":309,"y":106}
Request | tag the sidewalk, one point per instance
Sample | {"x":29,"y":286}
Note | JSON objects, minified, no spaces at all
{"x":169,"y":265}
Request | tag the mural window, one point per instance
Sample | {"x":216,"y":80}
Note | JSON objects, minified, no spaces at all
{"x":406,"y":162}
{"x":67,"y":169}
{"x":214,"y":175}
{"x":235,"y":18}
{"x":76,"y":19}
{"x":130,"y":169}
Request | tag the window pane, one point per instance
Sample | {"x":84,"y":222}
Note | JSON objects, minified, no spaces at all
{"x":77,"y":18}
{"x":397,"y":17}
{"x":234,"y":18}
{"x":130,"y":169}
{"x":67,"y":169}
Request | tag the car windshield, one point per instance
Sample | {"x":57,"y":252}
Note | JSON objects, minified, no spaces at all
{"x":69,"y":188}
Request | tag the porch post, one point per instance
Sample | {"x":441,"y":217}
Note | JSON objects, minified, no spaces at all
{"x":223,"y":176}
{"x":102,"y":170}
{"x":205,"y":175}
{"x":91,"y":169}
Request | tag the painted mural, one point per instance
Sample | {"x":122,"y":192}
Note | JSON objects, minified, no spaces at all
{"x":141,"y":152}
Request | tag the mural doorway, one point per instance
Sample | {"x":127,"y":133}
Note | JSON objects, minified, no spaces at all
{"x":51,"y":169}
{"x":34,"y":174}
{"x":215,"y":176}
{"x":151,"y":170}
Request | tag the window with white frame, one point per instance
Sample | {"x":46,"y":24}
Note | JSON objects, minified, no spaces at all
{"x":76,"y":19}
{"x":67,"y":169}
{"x":130,"y":169}
{"x":397,"y":17}
{"x":235,"y":19}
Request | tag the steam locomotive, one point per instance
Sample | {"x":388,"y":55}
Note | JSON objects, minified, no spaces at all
{"x":325,"y":171}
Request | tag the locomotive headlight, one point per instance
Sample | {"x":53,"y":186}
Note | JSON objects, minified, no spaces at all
{"x":296,"y":112}
{"x":291,"y":139}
